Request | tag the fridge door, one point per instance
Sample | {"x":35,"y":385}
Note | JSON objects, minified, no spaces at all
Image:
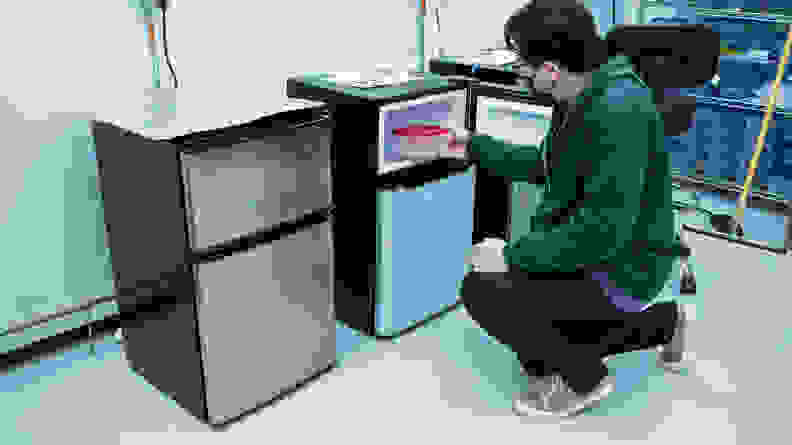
{"x":519,"y":123}
{"x":257,"y":183}
{"x":266,"y":320}
{"x":424,"y":237}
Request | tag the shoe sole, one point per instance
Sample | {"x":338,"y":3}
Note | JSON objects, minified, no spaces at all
{"x":602,"y":394}
{"x":532,"y":411}
{"x":675,"y":366}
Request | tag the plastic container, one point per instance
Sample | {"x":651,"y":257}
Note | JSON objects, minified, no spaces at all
{"x":778,"y":150}
{"x":742,"y":77}
{"x":744,"y":4}
{"x":423,"y":141}
{"x":721,"y":4}
{"x":741,"y":34}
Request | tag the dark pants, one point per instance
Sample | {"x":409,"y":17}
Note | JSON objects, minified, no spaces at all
{"x":562,"y":324}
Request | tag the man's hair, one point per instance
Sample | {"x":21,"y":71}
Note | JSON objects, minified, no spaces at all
{"x":556,"y":30}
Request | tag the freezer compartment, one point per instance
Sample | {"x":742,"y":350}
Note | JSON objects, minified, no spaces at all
{"x":236,"y":190}
{"x":266,"y":320}
{"x":424,"y":235}
{"x":445,"y":110}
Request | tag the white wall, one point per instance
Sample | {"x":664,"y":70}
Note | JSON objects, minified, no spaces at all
{"x":65,"y":63}
{"x":80,"y":57}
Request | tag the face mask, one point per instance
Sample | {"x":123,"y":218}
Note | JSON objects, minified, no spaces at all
{"x":543,"y":81}
{"x":546,"y":79}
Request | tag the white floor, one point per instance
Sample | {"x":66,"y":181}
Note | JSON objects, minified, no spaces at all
{"x":446,"y":384}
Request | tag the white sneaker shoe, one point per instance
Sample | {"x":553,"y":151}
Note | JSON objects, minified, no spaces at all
{"x":559,"y":400}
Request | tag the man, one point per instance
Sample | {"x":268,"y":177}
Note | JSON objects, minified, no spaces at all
{"x":576,"y":288}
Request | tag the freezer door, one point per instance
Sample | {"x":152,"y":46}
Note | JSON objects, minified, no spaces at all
{"x":254,"y":185}
{"x":266,"y":320}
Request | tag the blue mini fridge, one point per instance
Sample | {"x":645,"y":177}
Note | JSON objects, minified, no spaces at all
{"x":402,"y":227}
{"x":424,"y":220}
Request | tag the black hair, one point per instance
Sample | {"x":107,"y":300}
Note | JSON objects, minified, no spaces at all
{"x":556,"y":30}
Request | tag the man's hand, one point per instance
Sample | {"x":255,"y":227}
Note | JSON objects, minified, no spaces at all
{"x":457,"y":145}
{"x":487,"y":256}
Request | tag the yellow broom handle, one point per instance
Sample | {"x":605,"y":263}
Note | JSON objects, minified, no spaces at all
{"x":742,"y":204}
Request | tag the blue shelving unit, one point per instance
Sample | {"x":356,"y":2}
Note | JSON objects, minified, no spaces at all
{"x":730,"y":112}
{"x":744,"y":4}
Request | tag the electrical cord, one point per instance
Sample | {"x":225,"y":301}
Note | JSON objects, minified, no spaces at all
{"x":165,"y":46}
{"x":680,"y":205}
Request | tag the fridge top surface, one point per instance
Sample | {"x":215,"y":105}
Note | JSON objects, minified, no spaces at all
{"x":320,"y":87}
{"x":509,"y":93}
{"x":166,"y":114}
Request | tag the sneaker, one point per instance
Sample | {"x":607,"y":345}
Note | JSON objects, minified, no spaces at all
{"x":670,"y":356}
{"x":560,"y":400}
{"x":536,"y":386}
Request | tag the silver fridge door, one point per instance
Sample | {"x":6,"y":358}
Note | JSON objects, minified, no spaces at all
{"x":266,"y":320}
{"x":254,"y":185}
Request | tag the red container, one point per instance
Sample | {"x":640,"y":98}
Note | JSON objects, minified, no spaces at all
{"x":423,"y":140}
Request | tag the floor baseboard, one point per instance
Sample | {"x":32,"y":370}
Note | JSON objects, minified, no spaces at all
{"x":57,"y":343}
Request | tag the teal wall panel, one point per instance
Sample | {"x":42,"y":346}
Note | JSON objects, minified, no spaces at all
{"x":54,"y":253}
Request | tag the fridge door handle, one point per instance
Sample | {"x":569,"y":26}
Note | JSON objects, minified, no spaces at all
{"x":419,"y":175}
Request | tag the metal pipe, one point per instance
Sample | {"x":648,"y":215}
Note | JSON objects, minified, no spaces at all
{"x":419,"y":44}
{"x":61,"y":314}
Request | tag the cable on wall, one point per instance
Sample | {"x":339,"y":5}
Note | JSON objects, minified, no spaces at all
{"x":163,"y":4}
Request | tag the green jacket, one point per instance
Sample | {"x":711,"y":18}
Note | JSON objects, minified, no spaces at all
{"x":607,"y":199}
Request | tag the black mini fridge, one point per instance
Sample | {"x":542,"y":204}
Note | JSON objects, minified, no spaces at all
{"x":222,"y":256}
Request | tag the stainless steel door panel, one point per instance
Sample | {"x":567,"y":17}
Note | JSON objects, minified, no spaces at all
{"x":266,"y":320}
{"x":257,"y":184}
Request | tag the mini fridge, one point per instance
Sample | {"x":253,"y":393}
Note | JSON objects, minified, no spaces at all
{"x":425,"y":218}
{"x":221,"y":248}
{"x":402,"y":228}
